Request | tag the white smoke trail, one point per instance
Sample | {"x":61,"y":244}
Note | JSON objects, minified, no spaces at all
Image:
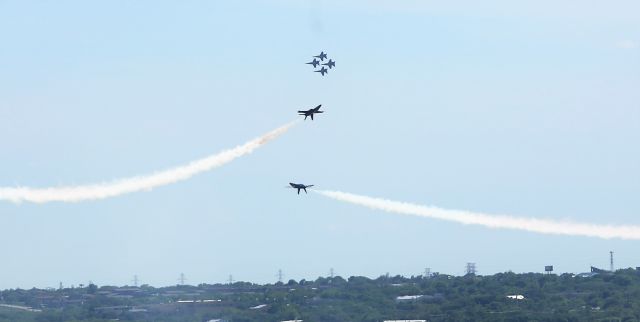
{"x":543,"y":226}
{"x":138,"y":183}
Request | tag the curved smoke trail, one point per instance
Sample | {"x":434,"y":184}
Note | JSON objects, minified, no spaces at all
{"x":543,"y":226}
{"x":138,"y":183}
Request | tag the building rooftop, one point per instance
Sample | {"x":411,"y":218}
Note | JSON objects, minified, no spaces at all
{"x":408,"y":297}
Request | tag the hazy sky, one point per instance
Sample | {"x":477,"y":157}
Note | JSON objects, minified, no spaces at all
{"x":528,"y":109}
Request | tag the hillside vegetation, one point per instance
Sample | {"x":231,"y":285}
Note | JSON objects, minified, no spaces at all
{"x":603,"y":297}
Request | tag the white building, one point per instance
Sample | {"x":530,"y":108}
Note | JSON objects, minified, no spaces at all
{"x":408,"y":298}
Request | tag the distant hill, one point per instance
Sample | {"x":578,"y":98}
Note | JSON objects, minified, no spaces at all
{"x":602,"y":296}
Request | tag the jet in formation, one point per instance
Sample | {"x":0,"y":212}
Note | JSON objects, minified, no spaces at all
{"x":322,"y":56}
{"x":314,"y":63}
{"x":322,"y":71}
{"x":329,"y":64}
{"x":300,"y":186}
{"x":310,"y":112}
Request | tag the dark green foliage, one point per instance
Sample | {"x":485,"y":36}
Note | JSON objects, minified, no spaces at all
{"x":604,"y":297}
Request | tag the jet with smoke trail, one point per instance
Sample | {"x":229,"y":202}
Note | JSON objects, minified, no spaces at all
{"x":138,"y":183}
{"x":300,"y":186}
{"x":543,"y":226}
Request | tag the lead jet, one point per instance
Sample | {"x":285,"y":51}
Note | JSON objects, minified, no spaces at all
{"x":322,"y":71}
{"x":310,"y":112}
{"x":314,"y":63}
{"x":300,"y":186}
{"x":330,"y":64}
{"x":322,"y":56}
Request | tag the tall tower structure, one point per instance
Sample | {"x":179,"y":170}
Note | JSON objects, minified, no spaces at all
{"x":471,"y":268}
{"x":280,"y":275}
{"x":182,"y":279}
{"x":331,"y":272}
{"x":135,"y":280}
{"x":427,"y":272}
{"x":611,"y":260}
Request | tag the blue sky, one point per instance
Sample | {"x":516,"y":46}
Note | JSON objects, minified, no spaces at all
{"x":530,"y":109}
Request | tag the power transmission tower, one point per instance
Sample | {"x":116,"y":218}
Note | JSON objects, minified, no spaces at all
{"x":471,"y":268}
{"x":230,"y":279}
{"x":280,"y":275}
{"x":331,"y":272}
{"x":135,"y":280}
{"x":611,"y":259}
{"x":182,"y":279}
{"x":427,"y":272}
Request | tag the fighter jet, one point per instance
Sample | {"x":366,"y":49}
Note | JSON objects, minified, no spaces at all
{"x":300,"y":186}
{"x":331,"y":64}
{"x":322,"y":71}
{"x":314,"y":63}
{"x":322,"y":56}
{"x":310,"y":112}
